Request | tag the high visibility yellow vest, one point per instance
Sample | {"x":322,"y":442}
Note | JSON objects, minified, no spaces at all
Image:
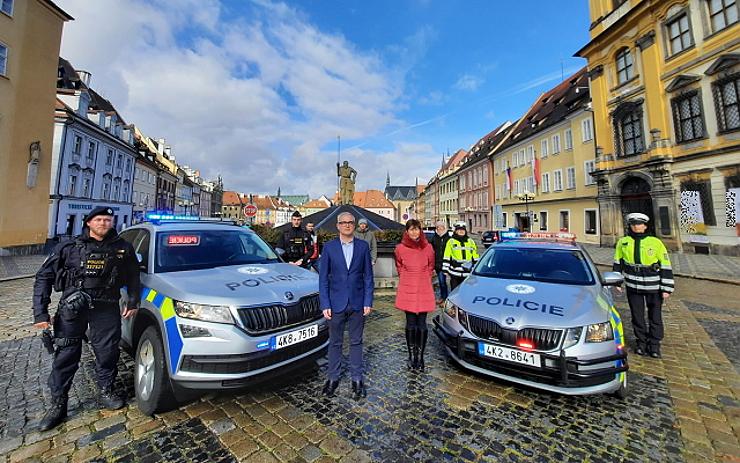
{"x":644,"y":263}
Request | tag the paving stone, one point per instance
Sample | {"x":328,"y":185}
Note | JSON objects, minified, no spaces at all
{"x":311,"y":453}
{"x":29,"y":451}
{"x":244,"y":448}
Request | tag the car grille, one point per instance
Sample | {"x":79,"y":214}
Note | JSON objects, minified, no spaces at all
{"x":543,"y":339}
{"x":260,"y":320}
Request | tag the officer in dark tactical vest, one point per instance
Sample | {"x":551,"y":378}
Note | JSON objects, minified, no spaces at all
{"x":296,"y":243}
{"x":89,"y":271}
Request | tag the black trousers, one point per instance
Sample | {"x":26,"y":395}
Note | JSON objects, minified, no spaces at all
{"x":455,"y":281}
{"x":648,"y":334}
{"x":105,"y":333}
{"x":416,"y":321}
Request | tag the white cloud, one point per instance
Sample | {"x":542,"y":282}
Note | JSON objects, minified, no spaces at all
{"x":468,"y":82}
{"x":252,"y":98}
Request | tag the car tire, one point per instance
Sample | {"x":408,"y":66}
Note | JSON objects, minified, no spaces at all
{"x":621,"y":393}
{"x":154,"y":391}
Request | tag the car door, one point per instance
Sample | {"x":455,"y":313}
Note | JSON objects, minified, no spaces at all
{"x":135,"y":237}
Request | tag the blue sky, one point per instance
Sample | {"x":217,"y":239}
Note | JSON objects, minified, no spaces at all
{"x":258,"y":91}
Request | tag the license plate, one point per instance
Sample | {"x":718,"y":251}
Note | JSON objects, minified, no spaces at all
{"x":294,"y":337}
{"x":510,"y":355}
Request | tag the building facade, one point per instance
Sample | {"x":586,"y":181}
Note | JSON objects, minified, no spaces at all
{"x":145,"y":185}
{"x":543,"y":171}
{"x":30,"y":35}
{"x":665,"y":78}
{"x":448,"y":189}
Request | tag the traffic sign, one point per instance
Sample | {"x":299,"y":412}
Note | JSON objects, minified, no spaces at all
{"x":250,"y":210}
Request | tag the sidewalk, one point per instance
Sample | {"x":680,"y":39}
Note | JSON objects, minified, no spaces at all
{"x":20,"y":266}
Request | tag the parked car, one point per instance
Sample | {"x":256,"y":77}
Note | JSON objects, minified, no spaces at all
{"x":489,"y":237}
{"x":218,"y":309}
{"x":536,"y":311}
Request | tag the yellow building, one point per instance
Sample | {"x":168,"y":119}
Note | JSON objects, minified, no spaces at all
{"x":665,"y":78}
{"x":559,"y":195}
{"x":30,"y":34}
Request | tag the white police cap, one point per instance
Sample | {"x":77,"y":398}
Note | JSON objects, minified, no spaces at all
{"x":637,"y":217}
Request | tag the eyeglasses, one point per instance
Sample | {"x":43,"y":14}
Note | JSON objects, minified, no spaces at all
{"x":350,"y":222}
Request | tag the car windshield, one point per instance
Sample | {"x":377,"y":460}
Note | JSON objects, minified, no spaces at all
{"x":565,"y":266}
{"x":182,"y":250}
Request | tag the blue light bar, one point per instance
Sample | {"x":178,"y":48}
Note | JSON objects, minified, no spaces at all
{"x":558,"y":236}
{"x":171,"y":217}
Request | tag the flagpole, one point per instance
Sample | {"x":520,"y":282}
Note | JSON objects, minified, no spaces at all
{"x":339,"y":141}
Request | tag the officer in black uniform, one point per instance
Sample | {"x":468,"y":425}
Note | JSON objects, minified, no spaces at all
{"x":297,"y":243}
{"x":89,"y":271}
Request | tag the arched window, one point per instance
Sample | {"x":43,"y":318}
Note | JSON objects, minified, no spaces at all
{"x":629,"y":137}
{"x":625,"y":66}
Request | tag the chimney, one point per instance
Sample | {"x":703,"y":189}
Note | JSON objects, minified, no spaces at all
{"x":160,"y":145}
{"x":84,"y":76}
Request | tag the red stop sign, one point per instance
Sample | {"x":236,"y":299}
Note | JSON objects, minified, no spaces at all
{"x":250,"y":210}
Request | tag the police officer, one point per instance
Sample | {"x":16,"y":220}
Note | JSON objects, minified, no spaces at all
{"x":296,"y":243}
{"x":461,"y":253}
{"x":89,"y":271}
{"x":643,"y":261}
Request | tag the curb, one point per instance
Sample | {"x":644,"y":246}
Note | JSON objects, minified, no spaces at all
{"x":17,"y":277}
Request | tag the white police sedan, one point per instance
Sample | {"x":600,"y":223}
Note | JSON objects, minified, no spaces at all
{"x":536,"y":311}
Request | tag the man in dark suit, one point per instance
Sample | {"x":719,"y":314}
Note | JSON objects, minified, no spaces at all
{"x":346,"y":296}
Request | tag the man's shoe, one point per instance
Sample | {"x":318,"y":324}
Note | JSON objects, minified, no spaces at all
{"x":358,"y":389}
{"x":110,"y":400}
{"x":655,"y":355}
{"x":330,"y":387}
{"x":639,"y":351}
{"x":55,"y":415}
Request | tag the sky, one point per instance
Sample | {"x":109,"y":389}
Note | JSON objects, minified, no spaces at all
{"x":267,"y":94}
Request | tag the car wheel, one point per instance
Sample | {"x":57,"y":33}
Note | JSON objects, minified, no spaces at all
{"x":151,"y":381}
{"x":621,"y":393}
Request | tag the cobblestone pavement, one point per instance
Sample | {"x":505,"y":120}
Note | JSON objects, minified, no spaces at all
{"x":684,"y":407}
{"x":11,"y":266}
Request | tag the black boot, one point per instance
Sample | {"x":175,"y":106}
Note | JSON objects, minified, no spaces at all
{"x":410,"y":342}
{"x":330,"y":387}
{"x":358,"y":389}
{"x":110,"y":400}
{"x":55,"y":415}
{"x":421,"y":345}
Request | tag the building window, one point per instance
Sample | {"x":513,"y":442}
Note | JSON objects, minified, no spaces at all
{"x":590,"y":221}
{"x":687,"y":117}
{"x":109,"y":158}
{"x":628,"y":129}
{"x":557,"y":177}
{"x":589,"y":166}
{"x":77,"y":147}
{"x":546,"y":182}
{"x":119,"y":161}
{"x":3,"y":60}
{"x":72,"y":185}
{"x":587,"y":130}
{"x":704,"y":187}
{"x":128,"y":165}
{"x":726,"y":93}
{"x":556,"y":143}
{"x":679,"y":34}
{"x":625,"y":67}
{"x":564,"y":221}
{"x":543,"y":149}
{"x":91,"y":151}
{"x":86,"y":188}
{"x":722,"y":13}
{"x":543,"y":221}
{"x":568,"y":139}
{"x":571,"y":177}
{"x":504,"y":220}
{"x":6,"y":6}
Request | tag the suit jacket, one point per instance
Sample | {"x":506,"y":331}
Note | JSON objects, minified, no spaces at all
{"x":340,"y":287}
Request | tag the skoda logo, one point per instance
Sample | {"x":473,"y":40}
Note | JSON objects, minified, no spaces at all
{"x":289,"y":296}
{"x":520,"y":289}
{"x":252,"y":270}
{"x":510,"y":321}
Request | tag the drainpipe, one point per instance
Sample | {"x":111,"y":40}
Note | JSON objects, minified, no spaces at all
{"x":67,"y":124}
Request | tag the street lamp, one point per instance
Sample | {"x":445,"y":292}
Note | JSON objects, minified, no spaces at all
{"x":527,"y":197}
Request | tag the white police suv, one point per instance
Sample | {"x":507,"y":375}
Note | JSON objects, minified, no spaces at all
{"x":536,"y":311}
{"x":218,"y":309}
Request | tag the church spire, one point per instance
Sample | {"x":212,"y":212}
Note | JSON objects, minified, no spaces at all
{"x":387,"y":178}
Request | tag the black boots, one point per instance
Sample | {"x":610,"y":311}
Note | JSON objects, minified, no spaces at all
{"x":358,"y":389}
{"x":55,"y":415}
{"x":330,"y":387}
{"x":411,"y":346}
{"x":110,"y":400}
{"x":421,"y":345}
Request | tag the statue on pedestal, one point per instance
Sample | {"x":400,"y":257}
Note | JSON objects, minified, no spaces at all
{"x":347,"y":178}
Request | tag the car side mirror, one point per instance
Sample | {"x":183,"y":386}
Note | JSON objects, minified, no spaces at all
{"x":612,"y":279}
{"x":142,"y":263}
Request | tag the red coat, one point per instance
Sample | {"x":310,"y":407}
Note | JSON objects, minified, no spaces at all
{"x":415,"y":264}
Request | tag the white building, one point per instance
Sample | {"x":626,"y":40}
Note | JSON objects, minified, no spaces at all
{"x":145,"y":186}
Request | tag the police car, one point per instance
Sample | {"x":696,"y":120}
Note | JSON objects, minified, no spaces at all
{"x":218,"y":309}
{"x":537,"y":312}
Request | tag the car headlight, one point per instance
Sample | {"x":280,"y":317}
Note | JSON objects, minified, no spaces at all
{"x":206,"y":313}
{"x":601,"y":332}
{"x":450,"y":309}
{"x":462,"y":317}
{"x":572,"y":336}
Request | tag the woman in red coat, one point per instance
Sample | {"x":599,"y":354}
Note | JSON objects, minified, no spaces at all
{"x":415,"y":295}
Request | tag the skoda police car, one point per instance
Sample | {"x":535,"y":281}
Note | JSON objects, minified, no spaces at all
{"x":536,"y":311}
{"x":218,"y":308}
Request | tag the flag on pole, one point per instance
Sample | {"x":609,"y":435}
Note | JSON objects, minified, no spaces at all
{"x":508,"y":178}
{"x":536,"y":171}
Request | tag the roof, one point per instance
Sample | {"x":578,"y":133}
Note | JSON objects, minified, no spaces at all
{"x":553,"y":107}
{"x":327,"y":219}
{"x":485,"y":145}
{"x":295,"y":200}
{"x":315,"y":203}
{"x":395,"y":193}
{"x":456,"y":159}
{"x":58,"y":10}
{"x":371,"y":199}
{"x":231,"y":198}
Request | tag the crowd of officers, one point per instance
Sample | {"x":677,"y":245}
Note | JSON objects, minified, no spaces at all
{"x":91,"y":270}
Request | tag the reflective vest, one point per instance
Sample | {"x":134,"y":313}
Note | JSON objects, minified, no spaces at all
{"x":645,"y":264}
{"x":457,"y":254}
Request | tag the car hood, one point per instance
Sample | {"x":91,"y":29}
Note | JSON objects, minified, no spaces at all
{"x":516,"y":304}
{"x":238,"y":285}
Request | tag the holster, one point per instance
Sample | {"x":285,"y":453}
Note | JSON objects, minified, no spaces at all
{"x":47,"y":340}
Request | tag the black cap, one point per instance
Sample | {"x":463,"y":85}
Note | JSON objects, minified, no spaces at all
{"x":297,"y":214}
{"x":100,"y":210}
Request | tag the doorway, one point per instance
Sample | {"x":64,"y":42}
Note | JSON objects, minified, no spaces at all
{"x":635,"y":197}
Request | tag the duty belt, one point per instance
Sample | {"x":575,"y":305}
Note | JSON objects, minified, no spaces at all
{"x":655,"y":267}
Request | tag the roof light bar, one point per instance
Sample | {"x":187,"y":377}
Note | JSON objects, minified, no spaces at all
{"x":559,"y":236}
